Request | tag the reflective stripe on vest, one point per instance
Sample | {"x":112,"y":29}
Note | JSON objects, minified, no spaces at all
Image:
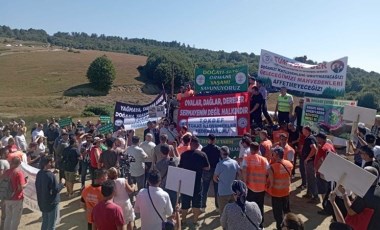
{"x":256,"y":172}
{"x":281,"y":179}
{"x":283,"y":103}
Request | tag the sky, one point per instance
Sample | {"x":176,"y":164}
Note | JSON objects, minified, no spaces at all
{"x":323,"y":30}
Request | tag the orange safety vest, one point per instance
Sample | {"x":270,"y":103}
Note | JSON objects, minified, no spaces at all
{"x":265,"y":149}
{"x":256,"y":172}
{"x":281,"y":178}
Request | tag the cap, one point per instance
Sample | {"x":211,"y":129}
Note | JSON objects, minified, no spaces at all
{"x":321,"y":135}
{"x":361,"y":125}
{"x":97,"y":139}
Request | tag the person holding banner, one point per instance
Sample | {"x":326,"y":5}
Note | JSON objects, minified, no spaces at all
{"x":284,"y":106}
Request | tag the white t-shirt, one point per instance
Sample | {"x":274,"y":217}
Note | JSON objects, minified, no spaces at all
{"x":149,"y":218}
{"x":148,"y":148}
{"x":121,"y":198}
{"x":137,"y":164}
{"x":4,"y":140}
{"x":21,"y":142}
{"x":36,"y":133}
{"x":171,"y":134}
{"x":244,"y":151}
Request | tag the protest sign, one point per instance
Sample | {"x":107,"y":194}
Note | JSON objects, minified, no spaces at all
{"x":327,"y":79}
{"x":105,"y":119}
{"x":104,"y":129}
{"x":326,"y":115}
{"x":135,"y":116}
{"x":30,"y":194}
{"x":187,"y":178}
{"x":365,"y":115}
{"x":65,"y":122}
{"x":157,"y":111}
{"x":355,"y":179}
{"x":209,"y":114}
{"x":221,"y":81}
{"x":231,"y":142}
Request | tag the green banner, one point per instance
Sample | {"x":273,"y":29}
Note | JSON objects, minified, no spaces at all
{"x":105,"y":119}
{"x":220,"y":81}
{"x":65,"y":122}
{"x":230,"y":142}
{"x":326,"y":115}
{"x":104,"y":129}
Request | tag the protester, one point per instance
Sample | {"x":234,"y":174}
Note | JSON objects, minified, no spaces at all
{"x":41,"y":148}
{"x":21,"y":141}
{"x":255,"y":169}
{"x":292,"y":222}
{"x":13,"y":207}
{"x":162,"y":166}
{"x":148,"y":146}
{"x":152,"y":130}
{"x":298,"y":113}
{"x":12,"y":147}
{"x":181,"y":93}
{"x":85,"y":149}
{"x":6,"y":136}
{"x":153,"y":203}
{"x":172,"y":135}
{"x":289,"y":152}
{"x":157,"y":149}
{"x":48,"y":189}
{"x":95,"y":153}
{"x":265,"y":145}
{"x":251,"y":84}
{"x":367,"y":154}
{"x":279,"y":185}
{"x":4,"y":166}
{"x":51,"y":134}
{"x":244,"y":148}
{"x":213,"y":155}
{"x":189,"y":92}
{"x":226,"y":171}
{"x":121,"y":198}
{"x":196,"y":161}
{"x":284,"y":106}
{"x":185,"y":144}
{"x":70,"y":161}
{"x":109,"y":158}
{"x":256,"y":105}
{"x":263,"y":91}
{"x":92,"y":195}
{"x":241,"y":215}
{"x":106,"y":215}
{"x":375,"y":130}
{"x":61,"y":145}
{"x":137,"y":164}
{"x":33,"y":158}
{"x":38,"y":132}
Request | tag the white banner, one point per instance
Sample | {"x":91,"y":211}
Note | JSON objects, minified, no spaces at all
{"x":327,"y":78}
{"x":219,"y":126}
{"x":30,"y":194}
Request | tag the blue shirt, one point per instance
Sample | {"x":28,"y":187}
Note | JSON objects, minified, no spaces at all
{"x":226,"y":170}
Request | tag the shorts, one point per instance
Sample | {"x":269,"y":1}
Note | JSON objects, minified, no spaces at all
{"x":322,"y":185}
{"x":191,"y":202}
{"x":70,"y":176}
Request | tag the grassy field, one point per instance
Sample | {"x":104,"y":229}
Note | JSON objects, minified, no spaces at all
{"x":41,"y":82}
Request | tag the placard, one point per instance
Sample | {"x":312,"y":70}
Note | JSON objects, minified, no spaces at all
{"x":231,"y":142}
{"x":187,"y":178}
{"x":157,"y":111}
{"x":356,"y":179}
{"x":105,"y":129}
{"x":65,"y":122}
{"x":105,"y":119}
{"x":366,"y":116}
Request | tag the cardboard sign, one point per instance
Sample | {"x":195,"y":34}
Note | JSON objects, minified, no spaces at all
{"x":186,"y":177}
{"x":366,"y":116}
{"x":356,"y":179}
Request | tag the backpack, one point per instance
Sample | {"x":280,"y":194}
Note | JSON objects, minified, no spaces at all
{"x":6,"y":190}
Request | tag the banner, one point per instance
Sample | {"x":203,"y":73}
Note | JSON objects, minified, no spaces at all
{"x":221,"y":115}
{"x":157,"y":111}
{"x":104,"y":129}
{"x":65,"y":122}
{"x":326,"y":115}
{"x":30,"y":194}
{"x":231,"y":142}
{"x":105,"y":119}
{"x":135,"y":116}
{"x":325,"y":79}
{"x":221,"y":81}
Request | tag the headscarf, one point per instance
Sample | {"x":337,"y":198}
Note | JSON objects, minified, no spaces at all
{"x":240,"y":189}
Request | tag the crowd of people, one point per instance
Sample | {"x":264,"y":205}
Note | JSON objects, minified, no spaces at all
{"x":128,"y":175}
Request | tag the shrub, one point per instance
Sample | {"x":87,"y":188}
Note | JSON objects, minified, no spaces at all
{"x":101,"y":73}
{"x":97,"y":110}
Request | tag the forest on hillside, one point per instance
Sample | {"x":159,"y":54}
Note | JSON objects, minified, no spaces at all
{"x":178,"y":60}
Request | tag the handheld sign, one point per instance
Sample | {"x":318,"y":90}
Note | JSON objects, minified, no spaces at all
{"x":349,"y":175}
{"x":104,"y":129}
{"x":366,"y":116}
{"x":179,"y":175}
{"x":105,"y":119}
{"x":65,"y":122}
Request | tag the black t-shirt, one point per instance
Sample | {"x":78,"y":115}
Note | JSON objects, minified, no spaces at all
{"x":293,"y":136}
{"x":257,"y":99}
{"x":194,"y":160}
{"x":370,"y":200}
{"x":306,"y":147}
{"x":109,"y":158}
{"x":213,"y":154}
{"x":47,"y":190}
{"x":298,"y":112}
{"x":70,"y":159}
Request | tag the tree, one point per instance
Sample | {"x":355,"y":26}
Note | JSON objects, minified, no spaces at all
{"x":368,"y":100}
{"x":101,"y":73}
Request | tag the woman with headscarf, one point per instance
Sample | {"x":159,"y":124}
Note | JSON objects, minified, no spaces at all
{"x":241,"y":214}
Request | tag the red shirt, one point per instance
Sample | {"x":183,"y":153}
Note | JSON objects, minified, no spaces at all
{"x":107,"y":216}
{"x":12,"y":148}
{"x":17,"y":178}
{"x":322,"y":154}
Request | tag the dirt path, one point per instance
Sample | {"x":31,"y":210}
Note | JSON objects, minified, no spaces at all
{"x":72,"y":217}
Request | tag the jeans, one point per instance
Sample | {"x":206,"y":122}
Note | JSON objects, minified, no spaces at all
{"x":13,"y":210}
{"x":280,"y":206}
{"x":83,"y":173}
{"x":311,"y":179}
{"x":49,"y":219}
{"x":207,"y":178}
{"x":302,"y":170}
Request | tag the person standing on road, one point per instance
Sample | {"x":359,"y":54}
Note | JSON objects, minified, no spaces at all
{"x":213,"y":155}
{"x":51,"y":134}
{"x":284,"y":106}
{"x":137,"y":165}
{"x":148,"y":146}
{"x":47,"y":189}
{"x":109,"y":158}
{"x":298,"y":113}
{"x":309,"y":151}
{"x":70,"y":161}
{"x":279,"y":185}
{"x":255,"y":170}
{"x":264,"y":92}
{"x":226,"y":171}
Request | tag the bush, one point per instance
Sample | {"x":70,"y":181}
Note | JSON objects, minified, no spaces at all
{"x":97,"y":110}
{"x":101,"y":74}
{"x":368,"y":100}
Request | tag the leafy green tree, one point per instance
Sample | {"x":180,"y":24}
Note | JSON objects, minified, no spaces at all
{"x":101,"y":73}
{"x":368,"y":100}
